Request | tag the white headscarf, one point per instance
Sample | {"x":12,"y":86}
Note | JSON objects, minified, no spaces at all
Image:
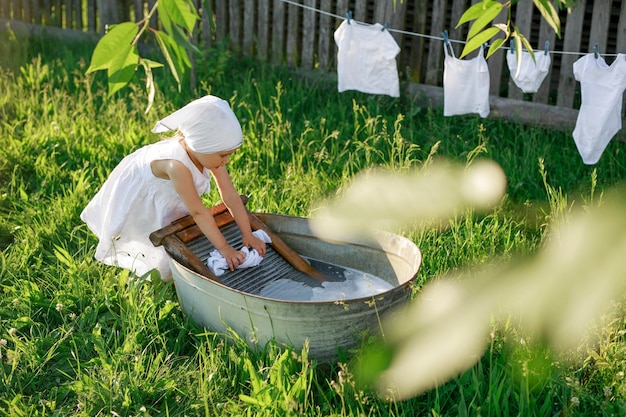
{"x":208,"y":125}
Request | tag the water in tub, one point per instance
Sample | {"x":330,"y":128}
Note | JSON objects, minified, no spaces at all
{"x":349,"y":284}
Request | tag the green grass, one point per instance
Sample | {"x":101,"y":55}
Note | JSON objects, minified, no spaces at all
{"x":80,"y":338}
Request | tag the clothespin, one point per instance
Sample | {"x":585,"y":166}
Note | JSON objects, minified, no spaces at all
{"x":349,"y":16}
{"x":385,"y":26}
{"x":546,"y":48}
{"x":512,"y":46}
{"x":595,"y":51}
{"x":444,"y":35}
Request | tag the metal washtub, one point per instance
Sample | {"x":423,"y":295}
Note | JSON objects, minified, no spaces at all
{"x":232,"y":301}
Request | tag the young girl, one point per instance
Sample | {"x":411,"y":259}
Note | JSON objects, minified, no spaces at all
{"x":162,"y":182}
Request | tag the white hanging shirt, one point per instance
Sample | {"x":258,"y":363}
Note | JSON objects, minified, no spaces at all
{"x":600,"y":115}
{"x":465,"y":84}
{"x":531,"y":73}
{"x":366,"y":59}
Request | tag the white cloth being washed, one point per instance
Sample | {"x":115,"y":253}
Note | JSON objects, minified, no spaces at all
{"x":217,"y":264}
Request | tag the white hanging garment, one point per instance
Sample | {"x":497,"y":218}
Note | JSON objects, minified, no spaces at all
{"x":531,"y":73}
{"x":600,"y":115}
{"x":465,"y":84}
{"x":366,"y":59}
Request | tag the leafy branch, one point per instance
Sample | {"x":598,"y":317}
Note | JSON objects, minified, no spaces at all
{"x":484,"y":12}
{"x":117,"y":52}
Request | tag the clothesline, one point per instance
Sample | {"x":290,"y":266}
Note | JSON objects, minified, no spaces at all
{"x":420,"y":35}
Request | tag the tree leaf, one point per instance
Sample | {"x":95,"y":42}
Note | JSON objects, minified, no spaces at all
{"x":150,"y":63}
{"x":163,"y":40}
{"x":150,"y":84}
{"x":485,"y":18}
{"x":474,"y":12}
{"x":495,"y":45}
{"x":478,"y":40}
{"x":122,"y":68}
{"x":108,"y":46}
{"x":169,"y":15}
{"x":182,"y":13}
{"x":550,"y":15}
{"x":517,"y":36}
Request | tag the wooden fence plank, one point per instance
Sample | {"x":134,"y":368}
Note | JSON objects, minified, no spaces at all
{"x":546,"y":33}
{"x":234,"y":13}
{"x":458,"y":7}
{"x":68,"y":14}
{"x":91,"y":16}
{"x":138,"y":10}
{"x":599,"y":25}
{"x":379,"y":12}
{"x":37,"y":13}
{"x":153,"y":19}
{"x":621,"y":30}
{"x":263,"y":38}
{"x":293,"y":34}
{"x":395,"y":15}
{"x":278,"y":23}
{"x":434,"y":68}
{"x":249,"y":25}
{"x":45,"y":12}
{"x":326,"y":31}
{"x":523,"y":20}
{"x":497,"y":61}
{"x":418,"y":43}
{"x":571,"y":43}
{"x":206,"y":26}
{"x":308,"y":35}
{"x":341,"y":9}
{"x":221,"y":21}
{"x":79,"y":14}
{"x":359,"y":12}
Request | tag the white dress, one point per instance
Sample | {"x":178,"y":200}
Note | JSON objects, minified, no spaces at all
{"x":366,"y":59}
{"x":465,"y":84}
{"x":133,"y":203}
{"x":600,"y":114}
{"x":531,"y":73}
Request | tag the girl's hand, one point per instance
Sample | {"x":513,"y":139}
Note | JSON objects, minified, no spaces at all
{"x":254,"y":242}
{"x":233,"y":257}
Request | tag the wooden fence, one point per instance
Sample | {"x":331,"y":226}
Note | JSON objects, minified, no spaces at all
{"x":299,"y":33}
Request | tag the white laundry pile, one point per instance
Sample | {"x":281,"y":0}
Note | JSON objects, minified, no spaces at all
{"x":465,"y":84}
{"x":531,"y":73}
{"x":217,"y":264}
{"x":599,"y":117}
{"x":366,"y":59}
